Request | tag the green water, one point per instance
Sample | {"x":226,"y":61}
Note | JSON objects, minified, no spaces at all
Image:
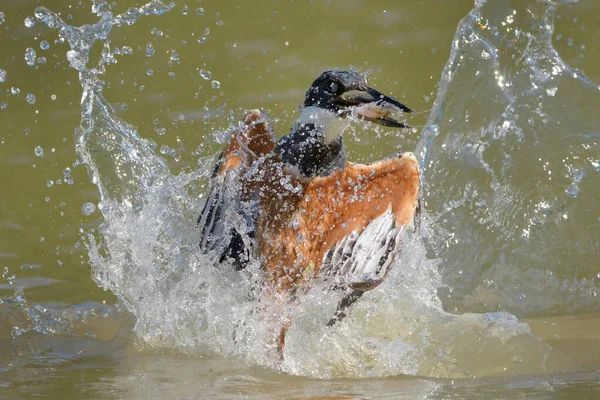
{"x":263,"y":54}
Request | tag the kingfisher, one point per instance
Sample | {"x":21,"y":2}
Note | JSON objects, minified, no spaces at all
{"x":301,"y":208}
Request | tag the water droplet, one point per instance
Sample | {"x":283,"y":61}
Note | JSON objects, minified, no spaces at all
{"x":149,"y":72}
{"x":29,"y":22}
{"x":30,"y":56}
{"x":44,"y":45}
{"x":220,"y":23}
{"x":2,"y":75}
{"x":49,"y":183}
{"x":41,"y":60}
{"x":184,"y":10}
{"x":149,"y":50}
{"x":38,"y":151}
{"x":74,"y":61}
{"x":205,"y":74}
{"x":42,"y":240}
{"x":522,"y":297}
{"x":215,"y":84}
{"x":15,"y":90}
{"x":206,"y":32}
{"x":572,"y":190}
{"x":2,"y":19}
{"x":53,"y":97}
{"x":201,"y":40}
{"x":200,"y":11}
{"x":161,"y":131}
{"x":30,"y":98}
{"x":86,"y":124}
{"x":88,"y":208}
{"x":27,"y":131}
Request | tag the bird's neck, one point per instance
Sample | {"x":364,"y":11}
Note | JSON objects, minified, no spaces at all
{"x":326,"y":123}
{"x":314,"y":146}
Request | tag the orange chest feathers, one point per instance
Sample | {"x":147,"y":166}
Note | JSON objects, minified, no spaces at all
{"x":299,"y":221}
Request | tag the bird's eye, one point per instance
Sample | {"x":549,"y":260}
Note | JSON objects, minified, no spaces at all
{"x":333,"y":87}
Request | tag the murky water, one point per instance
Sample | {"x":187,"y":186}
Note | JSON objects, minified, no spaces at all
{"x":496,"y":295}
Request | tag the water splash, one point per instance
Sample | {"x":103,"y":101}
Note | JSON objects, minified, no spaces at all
{"x":507,"y":167}
{"x":146,"y":250}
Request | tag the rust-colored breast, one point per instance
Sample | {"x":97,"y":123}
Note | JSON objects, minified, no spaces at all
{"x":299,"y":220}
{"x":296,"y":230}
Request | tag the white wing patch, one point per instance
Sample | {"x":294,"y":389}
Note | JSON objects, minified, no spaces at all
{"x":362,"y":260}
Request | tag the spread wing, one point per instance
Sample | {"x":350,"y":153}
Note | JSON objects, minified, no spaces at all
{"x":228,"y":219}
{"x":380,"y":203}
{"x":222,"y":208}
{"x":362,"y":259}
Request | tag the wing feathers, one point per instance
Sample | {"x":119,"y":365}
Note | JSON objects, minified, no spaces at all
{"x":228,"y":219}
{"x":362,"y":260}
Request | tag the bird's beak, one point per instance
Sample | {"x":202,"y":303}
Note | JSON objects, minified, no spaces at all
{"x":371,"y":105}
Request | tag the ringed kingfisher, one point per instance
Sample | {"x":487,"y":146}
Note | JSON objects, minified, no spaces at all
{"x":300,"y":207}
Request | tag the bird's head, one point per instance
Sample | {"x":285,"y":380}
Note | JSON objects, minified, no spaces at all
{"x":314,"y":145}
{"x":346,"y":93}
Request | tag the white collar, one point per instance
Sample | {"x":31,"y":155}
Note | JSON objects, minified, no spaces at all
{"x":330,"y":124}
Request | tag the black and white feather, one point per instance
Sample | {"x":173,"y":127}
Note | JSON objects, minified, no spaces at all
{"x":227,"y":224}
{"x":362,"y":260}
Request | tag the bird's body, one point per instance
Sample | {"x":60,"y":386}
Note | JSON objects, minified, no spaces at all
{"x":300,"y":207}
{"x":298,"y":229}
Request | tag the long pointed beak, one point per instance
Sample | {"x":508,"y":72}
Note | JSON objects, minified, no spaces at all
{"x":372,"y":105}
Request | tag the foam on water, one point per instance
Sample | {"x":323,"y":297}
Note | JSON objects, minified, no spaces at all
{"x":146,"y":250}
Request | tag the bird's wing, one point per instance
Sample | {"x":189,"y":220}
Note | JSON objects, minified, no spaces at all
{"x":362,"y":259}
{"x":228,"y":219}
{"x":381,"y":208}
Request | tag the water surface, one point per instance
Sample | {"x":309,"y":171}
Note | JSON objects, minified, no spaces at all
{"x":496,"y":295}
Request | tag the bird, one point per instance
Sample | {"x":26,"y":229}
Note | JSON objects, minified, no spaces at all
{"x":301,"y":208}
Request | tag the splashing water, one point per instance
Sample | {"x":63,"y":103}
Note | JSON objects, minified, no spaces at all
{"x":526,"y":110}
{"x":146,"y":249}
